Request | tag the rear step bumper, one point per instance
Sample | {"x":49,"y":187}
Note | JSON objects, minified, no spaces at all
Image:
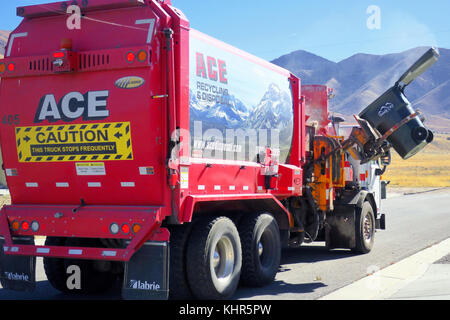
{"x":84,"y":222}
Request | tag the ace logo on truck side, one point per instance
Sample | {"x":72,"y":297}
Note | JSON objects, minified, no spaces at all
{"x":90,"y":106}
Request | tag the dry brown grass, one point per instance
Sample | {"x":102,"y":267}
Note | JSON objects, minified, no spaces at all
{"x":429,"y":168}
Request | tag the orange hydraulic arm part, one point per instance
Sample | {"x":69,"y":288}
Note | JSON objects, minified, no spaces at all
{"x":328,"y":170}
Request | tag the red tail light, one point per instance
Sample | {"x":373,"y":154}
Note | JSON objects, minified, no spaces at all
{"x":25,"y":226}
{"x":58,"y":55}
{"x":130,"y":56}
{"x":125,"y":228}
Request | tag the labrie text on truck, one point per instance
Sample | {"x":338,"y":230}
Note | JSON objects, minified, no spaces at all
{"x":146,"y":151}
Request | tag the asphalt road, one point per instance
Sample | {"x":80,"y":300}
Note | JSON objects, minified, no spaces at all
{"x":414,"y":222}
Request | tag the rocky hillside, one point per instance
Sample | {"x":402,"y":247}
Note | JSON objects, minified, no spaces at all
{"x":360,"y":79}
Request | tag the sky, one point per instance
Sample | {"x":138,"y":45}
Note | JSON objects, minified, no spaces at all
{"x":331,"y":29}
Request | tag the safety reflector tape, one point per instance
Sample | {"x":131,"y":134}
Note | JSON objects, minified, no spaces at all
{"x":42,"y":250}
{"x":94,"y":184}
{"x":217,"y":188}
{"x":62,"y":184}
{"x":127,"y":184}
{"x":74,"y":142}
{"x":201,"y":187}
{"x":109,"y":253}
{"x":75,"y":251}
{"x":31,"y":184}
{"x":232,"y":188}
{"x":245,"y":188}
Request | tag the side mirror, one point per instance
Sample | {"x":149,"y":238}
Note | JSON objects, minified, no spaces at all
{"x":386,"y":158}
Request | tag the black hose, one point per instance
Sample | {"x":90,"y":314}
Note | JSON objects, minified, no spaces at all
{"x":316,"y":223}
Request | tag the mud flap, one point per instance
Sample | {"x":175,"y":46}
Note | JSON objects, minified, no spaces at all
{"x":147,"y":273}
{"x":340,"y":231}
{"x":17,"y":272}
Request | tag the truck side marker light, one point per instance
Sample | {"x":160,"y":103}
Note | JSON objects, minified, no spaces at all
{"x":62,"y":184}
{"x":75,"y":252}
{"x":42,"y":250}
{"x":31,"y":184}
{"x":160,"y":96}
{"x":11,"y":67}
{"x":201,"y":187}
{"x":94,"y":184}
{"x":2,"y":68}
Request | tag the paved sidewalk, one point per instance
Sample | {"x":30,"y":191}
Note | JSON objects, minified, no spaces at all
{"x":423,"y":276}
{"x":434,"y":284}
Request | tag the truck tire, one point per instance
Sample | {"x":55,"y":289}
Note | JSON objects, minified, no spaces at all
{"x":365,"y":228}
{"x":261,"y":249}
{"x":178,"y":283}
{"x":214,"y":258}
{"x":91,"y":280}
{"x":54,"y":267}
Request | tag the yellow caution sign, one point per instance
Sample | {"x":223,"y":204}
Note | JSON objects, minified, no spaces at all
{"x":78,"y":142}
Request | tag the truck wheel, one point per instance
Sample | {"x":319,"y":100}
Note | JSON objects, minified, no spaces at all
{"x":54,"y":267}
{"x":91,"y":279}
{"x":365,"y":228}
{"x":261,"y":249}
{"x":178,"y":282}
{"x":214,"y":258}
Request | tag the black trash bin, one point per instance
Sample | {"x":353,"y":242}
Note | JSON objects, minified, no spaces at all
{"x":390,"y":109}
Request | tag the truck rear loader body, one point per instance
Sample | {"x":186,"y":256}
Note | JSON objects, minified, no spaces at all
{"x":144,"y":149}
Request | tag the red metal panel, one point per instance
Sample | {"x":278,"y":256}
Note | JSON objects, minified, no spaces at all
{"x":58,"y":8}
{"x":86,"y":222}
{"x":316,"y":97}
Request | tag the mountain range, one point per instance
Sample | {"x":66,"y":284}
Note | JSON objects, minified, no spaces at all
{"x":358,"y":80}
{"x":272,"y":112}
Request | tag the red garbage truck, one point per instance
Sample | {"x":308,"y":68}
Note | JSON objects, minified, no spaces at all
{"x":147,"y":151}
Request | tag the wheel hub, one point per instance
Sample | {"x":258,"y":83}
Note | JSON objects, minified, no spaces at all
{"x":223,"y":258}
